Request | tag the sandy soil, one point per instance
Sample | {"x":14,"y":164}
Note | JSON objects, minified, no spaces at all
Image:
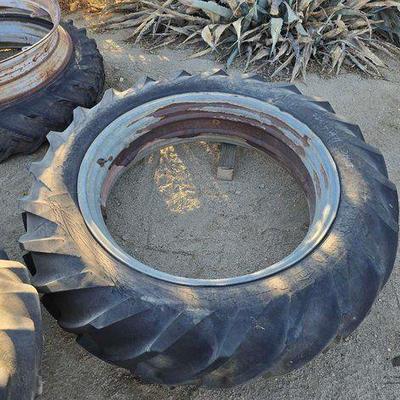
{"x":172,"y":205}
{"x":170,"y":212}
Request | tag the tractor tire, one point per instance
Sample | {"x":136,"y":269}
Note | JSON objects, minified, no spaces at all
{"x":20,"y":333}
{"x":216,"y":333}
{"x":24,"y":123}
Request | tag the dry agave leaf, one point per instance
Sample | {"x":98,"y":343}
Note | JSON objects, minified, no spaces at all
{"x":119,"y":7}
{"x":252,"y":39}
{"x":300,"y":29}
{"x":360,"y":61}
{"x":256,"y":29}
{"x":283,"y":65}
{"x":281,"y":52}
{"x":307,"y":52}
{"x":209,"y":6}
{"x":377,"y":4}
{"x":200,"y":53}
{"x":350,"y":12}
{"x":190,"y":37}
{"x":262,"y":53}
{"x":276,"y":27}
{"x":249,"y":52}
{"x":252,"y":33}
{"x":207,"y":36}
{"x":390,"y":24}
{"x":238,"y":29}
{"x":357,"y":4}
{"x":315,"y":4}
{"x":143,"y":28}
{"x":364,"y":53}
{"x":341,"y":60}
{"x":359,"y":23}
{"x":304,"y":4}
{"x":219,"y":30}
{"x":335,"y":55}
{"x":173,"y":14}
{"x":291,"y":15}
{"x":215,"y":18}
{"x":370,"y":55}
{"x":211,"y":34}
{"x":118,"y":21}
{"x":389,"y":51}
{"x":297,"y":66}
{"x":234,"y":6}
{"x":326,"y":14}
{"x":333,"y":33}
{"x":183,"y":30}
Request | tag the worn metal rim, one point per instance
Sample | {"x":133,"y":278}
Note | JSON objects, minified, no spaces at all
{"x":40,"y":61}
{"x":178,"y":119}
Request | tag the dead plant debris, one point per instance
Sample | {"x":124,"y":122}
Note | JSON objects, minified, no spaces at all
{"x":280,"y":34}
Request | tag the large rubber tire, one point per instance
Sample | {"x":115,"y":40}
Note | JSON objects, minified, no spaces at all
{"x":24,"y":124}
{"x":20,"y":333}
{"x":215,"y":336}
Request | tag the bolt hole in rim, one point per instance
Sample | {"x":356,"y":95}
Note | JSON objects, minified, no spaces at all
{"x":45,"y":51}
{"x":218,"y":117}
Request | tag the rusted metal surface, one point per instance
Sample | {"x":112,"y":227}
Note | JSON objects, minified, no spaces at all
{"x":219,"y":117}
{"x":45,"y":50}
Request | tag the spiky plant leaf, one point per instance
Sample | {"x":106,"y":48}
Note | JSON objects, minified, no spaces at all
{"x":207,"y":36}
{"x":209,"y":6}
{"x":238,"y":29}
{"x":276,"y":28}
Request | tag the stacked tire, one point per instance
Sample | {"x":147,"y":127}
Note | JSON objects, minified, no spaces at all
{"x":20,"y":333}
{"x":24,"y":123}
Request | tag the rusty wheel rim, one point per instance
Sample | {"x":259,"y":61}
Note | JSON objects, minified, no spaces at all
{"x":218,"y":117}
{"x":38,"y":63}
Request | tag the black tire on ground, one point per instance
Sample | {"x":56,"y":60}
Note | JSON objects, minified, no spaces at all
{"x":172,"y":333}
{"x":20,"y":333}
{"x":25,"y":123}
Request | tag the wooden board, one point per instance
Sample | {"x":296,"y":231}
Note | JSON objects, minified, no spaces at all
{"x":227,"y":160}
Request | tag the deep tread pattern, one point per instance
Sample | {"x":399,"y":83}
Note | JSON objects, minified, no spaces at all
{"x":220,"y":72}
{"x":182,"y":74}
{"x":324,"y":104}
{"x":20,"y":333}
{"x":215,"y":337}
{"x":24,"y":124}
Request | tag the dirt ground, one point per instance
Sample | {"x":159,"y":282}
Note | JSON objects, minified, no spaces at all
{"x":172,"y":213}
{"x":208,"y":228}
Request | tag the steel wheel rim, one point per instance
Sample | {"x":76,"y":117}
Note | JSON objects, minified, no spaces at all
{"x":132,"y":127}
{"x":39,"y":63}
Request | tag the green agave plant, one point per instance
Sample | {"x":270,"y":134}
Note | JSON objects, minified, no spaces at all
{"x":277,"y":33}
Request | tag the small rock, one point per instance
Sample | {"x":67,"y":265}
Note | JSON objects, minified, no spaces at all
{"x":396,"y":361}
